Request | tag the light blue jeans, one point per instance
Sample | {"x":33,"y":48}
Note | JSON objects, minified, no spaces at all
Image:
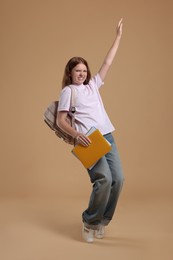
{"x":107,"y":179}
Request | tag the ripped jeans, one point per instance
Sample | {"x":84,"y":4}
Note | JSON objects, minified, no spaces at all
{"x":107,"y":179}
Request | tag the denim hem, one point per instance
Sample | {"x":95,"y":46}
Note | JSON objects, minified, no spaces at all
{"x":94,"y":227}
{"x":105,"y":222}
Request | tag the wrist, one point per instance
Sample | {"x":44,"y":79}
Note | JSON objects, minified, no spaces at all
{"x":76,"y":135}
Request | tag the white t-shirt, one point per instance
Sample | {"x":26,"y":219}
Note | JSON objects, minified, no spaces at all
{"x":90,"y":110}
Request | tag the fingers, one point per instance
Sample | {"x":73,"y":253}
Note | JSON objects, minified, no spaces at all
{"x":119,"y":27}
{"x":83,"y":140}
{"x":120,"y":22}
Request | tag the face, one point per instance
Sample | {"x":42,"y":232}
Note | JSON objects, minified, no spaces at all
{"x":79,"y":74}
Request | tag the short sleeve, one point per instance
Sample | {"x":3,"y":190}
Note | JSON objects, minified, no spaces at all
{"x":96,"y":81}
{"x":64,"y":100}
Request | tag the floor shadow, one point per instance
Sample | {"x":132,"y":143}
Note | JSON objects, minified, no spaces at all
{"x":124,"y":241}
{"x":70,"y":227}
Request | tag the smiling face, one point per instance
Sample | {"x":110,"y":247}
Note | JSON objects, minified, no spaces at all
{"x":79,"y":74}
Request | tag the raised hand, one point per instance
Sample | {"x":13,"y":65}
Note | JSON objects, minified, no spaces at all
{"x":120,"y":28}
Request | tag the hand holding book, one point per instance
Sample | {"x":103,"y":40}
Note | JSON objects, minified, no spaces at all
{"x":89,"y":155}
{"x":83,"y":140}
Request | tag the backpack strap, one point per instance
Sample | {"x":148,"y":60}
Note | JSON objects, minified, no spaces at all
{"x":73,"y":105}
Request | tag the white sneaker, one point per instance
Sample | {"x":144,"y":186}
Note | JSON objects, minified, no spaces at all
{"x":88,"y":234}
{"x":100,"y":233}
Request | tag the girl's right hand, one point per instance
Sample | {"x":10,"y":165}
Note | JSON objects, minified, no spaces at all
{"x":83,"y":139}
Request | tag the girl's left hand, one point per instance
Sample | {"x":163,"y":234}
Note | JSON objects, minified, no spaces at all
{"x":120,"y":28}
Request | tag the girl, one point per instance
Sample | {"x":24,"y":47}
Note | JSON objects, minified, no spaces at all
{"x":106,"y":176}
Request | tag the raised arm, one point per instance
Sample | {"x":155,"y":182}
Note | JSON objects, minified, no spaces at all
{"x":111,"y":53}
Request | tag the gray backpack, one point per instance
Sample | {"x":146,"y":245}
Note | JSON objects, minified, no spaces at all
{"x":50,"y":118}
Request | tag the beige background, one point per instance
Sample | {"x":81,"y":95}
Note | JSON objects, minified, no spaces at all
{"x":38,"y":172}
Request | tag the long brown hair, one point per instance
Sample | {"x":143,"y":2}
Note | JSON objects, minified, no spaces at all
{"x":67,"y":80}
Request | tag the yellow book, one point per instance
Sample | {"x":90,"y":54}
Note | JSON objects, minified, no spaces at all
{"x":89,"y":155}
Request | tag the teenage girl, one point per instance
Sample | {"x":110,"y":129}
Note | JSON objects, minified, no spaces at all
{"x":106,"y":176}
